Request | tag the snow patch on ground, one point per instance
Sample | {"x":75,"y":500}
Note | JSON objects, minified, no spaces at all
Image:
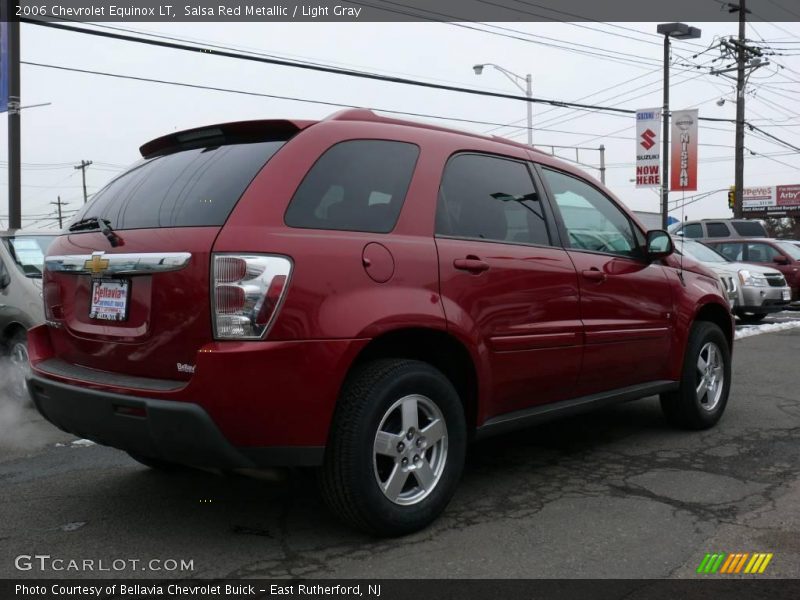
{"x":751,"y":330}
{"x":82,"y":443}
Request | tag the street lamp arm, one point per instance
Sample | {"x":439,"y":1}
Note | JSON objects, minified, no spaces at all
{"x":512,"y":77}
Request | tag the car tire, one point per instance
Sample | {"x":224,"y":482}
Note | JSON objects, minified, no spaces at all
{"x":705,"y":382}
{"x":396,"y":449}
{"x":17,"y":348}
{"x":752,"y":317}
{"x":154,"y":463}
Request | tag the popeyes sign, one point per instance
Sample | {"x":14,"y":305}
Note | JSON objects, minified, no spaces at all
{"x":776,"y":199}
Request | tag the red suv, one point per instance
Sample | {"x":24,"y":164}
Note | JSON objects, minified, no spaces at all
{"x":365,"y":295}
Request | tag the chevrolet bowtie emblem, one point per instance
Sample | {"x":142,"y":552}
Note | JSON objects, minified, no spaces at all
{"x":97,"y":264}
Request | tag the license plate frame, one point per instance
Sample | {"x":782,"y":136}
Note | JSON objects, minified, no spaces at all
{"x":113,"y":304}
{"x":786,"y":295}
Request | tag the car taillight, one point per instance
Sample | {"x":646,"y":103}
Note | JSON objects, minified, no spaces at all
{"x":247,"y":292}
{"x":53,"y":305}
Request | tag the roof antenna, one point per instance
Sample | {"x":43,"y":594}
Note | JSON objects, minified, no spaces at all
{"x":683,"y":220}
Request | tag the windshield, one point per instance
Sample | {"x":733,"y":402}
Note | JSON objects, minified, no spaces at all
{"x":700,"y":252}
{"x":28,"y":252}
{"x":790,"y":249}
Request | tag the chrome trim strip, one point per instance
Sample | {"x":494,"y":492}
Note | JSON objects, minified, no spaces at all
{"x":119,"y":264}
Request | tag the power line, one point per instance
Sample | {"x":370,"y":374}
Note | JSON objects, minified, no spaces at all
{"x":273,"y":96}
{"x":297,"y":65}
{"x":453,"y":21}
{"x":332,"y":70}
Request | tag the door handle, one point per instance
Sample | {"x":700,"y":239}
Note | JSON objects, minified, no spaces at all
{"x":594,"y":275}
{"x":473,"y":264}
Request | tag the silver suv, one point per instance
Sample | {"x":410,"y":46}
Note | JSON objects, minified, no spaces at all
{"x":718,"y":228}
{"x":21,"y":262}
{"x":759,"y":290}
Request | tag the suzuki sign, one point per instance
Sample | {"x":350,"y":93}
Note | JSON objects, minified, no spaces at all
{"x":648,"y":144}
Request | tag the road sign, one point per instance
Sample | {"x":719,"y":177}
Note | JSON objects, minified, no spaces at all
{"x":648,"y":147}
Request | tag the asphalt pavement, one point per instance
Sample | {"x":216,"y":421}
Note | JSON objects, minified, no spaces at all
{"x":613,"y":494}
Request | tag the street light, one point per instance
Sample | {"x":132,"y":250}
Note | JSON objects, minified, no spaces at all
{"x":515,"y":79}
{"x":678,"y":31}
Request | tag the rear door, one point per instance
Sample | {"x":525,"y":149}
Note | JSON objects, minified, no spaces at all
{"x":626,"y":302}
{"x":142,"y":307}
{"x":505,"y":282}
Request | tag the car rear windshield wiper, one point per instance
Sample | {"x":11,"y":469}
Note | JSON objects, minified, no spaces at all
{"x":104,"y":225}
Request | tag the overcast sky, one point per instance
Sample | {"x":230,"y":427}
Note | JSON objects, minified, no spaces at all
{"x":106,"y":120}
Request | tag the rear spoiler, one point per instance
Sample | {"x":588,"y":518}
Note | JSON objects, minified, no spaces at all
{"x":240,"y":132}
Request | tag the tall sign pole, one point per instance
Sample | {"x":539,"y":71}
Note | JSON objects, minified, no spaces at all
{"x":14,"y":129}
{"x":665,"y":140}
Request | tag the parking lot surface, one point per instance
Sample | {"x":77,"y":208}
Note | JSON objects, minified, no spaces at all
{"x":611,"y":494}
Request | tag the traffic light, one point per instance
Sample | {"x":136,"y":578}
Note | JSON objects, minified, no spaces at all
{"x":732,"y":197}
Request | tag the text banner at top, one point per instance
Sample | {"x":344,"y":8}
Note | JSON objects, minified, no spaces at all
{"x":553,"y":11}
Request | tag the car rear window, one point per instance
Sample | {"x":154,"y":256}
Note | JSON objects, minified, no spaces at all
{"x":190,"y":188}
{"x":749,"y":228}
{"x":358,"y":185}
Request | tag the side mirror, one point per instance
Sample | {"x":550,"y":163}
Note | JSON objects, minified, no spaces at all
{"x":5,"y":278}
{"x":780,"y":259}
{"x":659,"y":244}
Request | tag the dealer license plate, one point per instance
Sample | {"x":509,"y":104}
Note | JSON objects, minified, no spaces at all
{"x":109,"y":299}
{"x":787,"y":294}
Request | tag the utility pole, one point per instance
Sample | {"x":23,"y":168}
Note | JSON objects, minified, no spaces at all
{"x":602,"y":164}
{"x":83,"y":166}
{"x":60,"y":204}
{"x":665,"y":141}
{"x":14,"y":127}
{"x":748,"y":59}
{"x":741,"y":59}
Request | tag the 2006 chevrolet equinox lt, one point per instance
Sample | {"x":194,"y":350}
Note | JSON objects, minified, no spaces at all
{"x":363,"y":295}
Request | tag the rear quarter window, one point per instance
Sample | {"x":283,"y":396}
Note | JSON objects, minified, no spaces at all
{"x":358,"y":185}
{"x":749,"y":228}
{"x":190,"y":188}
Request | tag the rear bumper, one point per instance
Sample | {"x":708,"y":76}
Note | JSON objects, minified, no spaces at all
{"x":180,"y":432}
{"x":247,"y":403}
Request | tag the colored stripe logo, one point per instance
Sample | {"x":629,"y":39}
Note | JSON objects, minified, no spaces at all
{"x":735,"y":563}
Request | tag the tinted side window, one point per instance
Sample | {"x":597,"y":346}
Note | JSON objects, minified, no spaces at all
{"x":490,"y":198}
{"x":191,"y":188}
{"x":717,"y":230}
{"x":731,"y":251}
{"x":592,"y":220}
{"x":761,"y":253}
{"x":692,"y":230}
{"x":749,"y":229}
{"x":358,"y":185}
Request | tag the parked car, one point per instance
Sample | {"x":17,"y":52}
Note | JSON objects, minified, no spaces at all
{"x":365,"y":295}
{"x":707,"y":229}
{"x":21,"y":265}
{"x":795,"y":242}
{"x":780,"y":254}
{"x":758,"y":290}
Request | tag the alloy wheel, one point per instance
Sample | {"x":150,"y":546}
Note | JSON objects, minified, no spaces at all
{"x":710,"y":376}
{"x":410,"y":450}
